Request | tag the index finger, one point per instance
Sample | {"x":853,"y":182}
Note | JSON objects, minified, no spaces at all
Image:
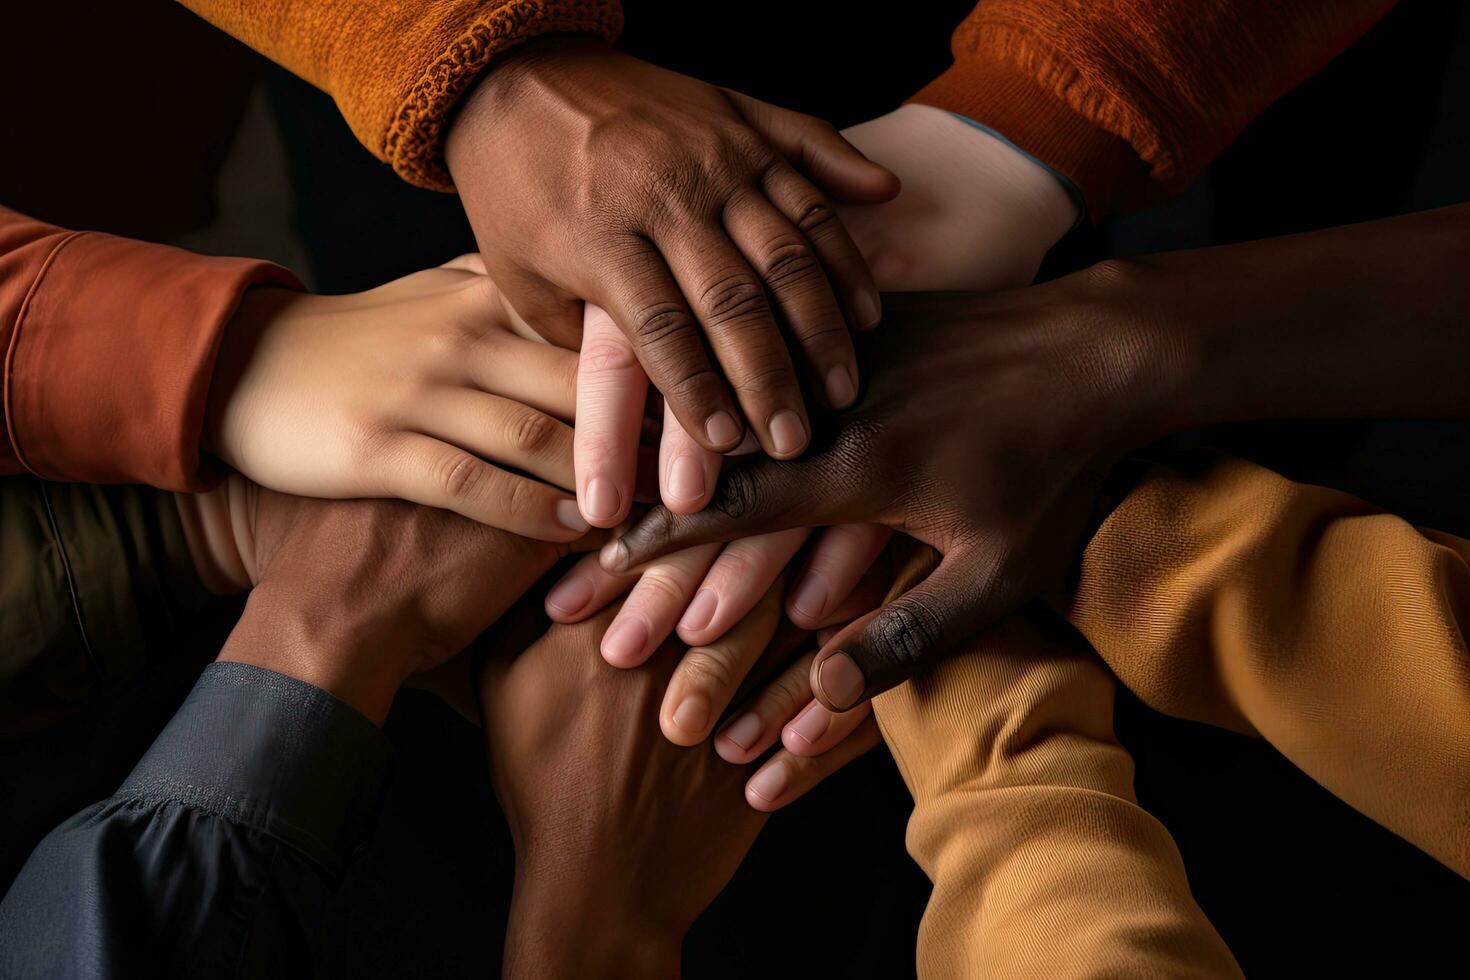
{"x":611,"y":390}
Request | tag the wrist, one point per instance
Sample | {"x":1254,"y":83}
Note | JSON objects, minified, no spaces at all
{"x":1045,"y":199}
{"x":1149,"y":371}
{"x":551,"y":934}
{"x":503,"y":85}
{"x":349,"y":655}
{"x":218,"y":534}
{"x":228,"y":406}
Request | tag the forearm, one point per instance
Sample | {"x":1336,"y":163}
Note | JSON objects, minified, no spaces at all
{"x":1220,"y":592}
{"x":1009,"y":752}
{"x":1366,"y":321}
{"x":549,"y":936}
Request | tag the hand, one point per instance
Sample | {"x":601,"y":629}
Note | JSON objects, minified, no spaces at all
{"x":354,"y":596}
{"x":975,"y":213}
{"x":622,"y":839}
{"x":675,"y":206}
{"x":413,"y":390}
{"x":984,"y":432}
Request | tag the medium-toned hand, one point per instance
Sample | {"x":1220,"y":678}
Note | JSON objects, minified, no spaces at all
{"x":416,"y":389}
{"x":691,"y":214}
{"x":353,"y":596}
{"x":622,"y":838}
{"x":987,"y":423}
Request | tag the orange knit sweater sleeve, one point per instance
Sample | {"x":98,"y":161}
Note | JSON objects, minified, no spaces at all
{"x":1130,"y":98}
{"x":396,"y":67}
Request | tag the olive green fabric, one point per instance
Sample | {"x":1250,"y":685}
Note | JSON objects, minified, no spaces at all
{"x":92,"y":578}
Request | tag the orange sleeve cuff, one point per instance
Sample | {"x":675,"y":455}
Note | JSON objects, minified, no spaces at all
{"x":396,"y":68}
{"x":1012,"y":101}
{"x":108,"y":367}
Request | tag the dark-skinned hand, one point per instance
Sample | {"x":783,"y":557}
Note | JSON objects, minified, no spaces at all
{"x":692,"y":214}
{"x":354,"y":596}
{"x":986,"y":426}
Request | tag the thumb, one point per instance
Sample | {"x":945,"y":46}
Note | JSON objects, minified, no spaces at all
{"x":888,"y":646}
{"x":816,"y":148}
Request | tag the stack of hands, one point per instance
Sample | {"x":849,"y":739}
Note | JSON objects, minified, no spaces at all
{"x":704,"y":276}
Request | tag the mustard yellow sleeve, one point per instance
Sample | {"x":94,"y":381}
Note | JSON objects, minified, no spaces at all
{"x":397,"y":67}
{"x":1043,"y":863}
{"x":1221,"y":592}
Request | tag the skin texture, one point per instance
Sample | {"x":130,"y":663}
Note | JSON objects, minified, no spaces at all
{"x":607,"y":884}
{"x":973,"y":213}
{"x":693,"y":215}
{"x":354,"y":596}
{"x":427,"y":389}
{"x":1046,"y":387}
{"x":1003,"y":492}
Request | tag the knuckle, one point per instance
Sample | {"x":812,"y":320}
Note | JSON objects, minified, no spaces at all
{"x":532,"y":433}
{"x":737,"y":495}
{"x":788,"y":692}
{"x":660,"y":587}
{"x":764,"y":379}
{"x":905,"y":632}
{"x":658,"y":323}
{"x":787,"y":259}
{"x":706,"y":669}
{"x":653,"y":532}
{"x":696,"y":387}
{"x":746,"y":149}
{"x":460,"y":476}
{"x":814,"y":216}
{"x":734,"y":296}
{"x":735,"y":567}
{"x":520,"y":498}
{"x":608,"y":356}
{"x":451,"y":340}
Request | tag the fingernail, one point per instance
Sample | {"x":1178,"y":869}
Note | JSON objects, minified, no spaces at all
{"x":613,"y":556}
{"x":810,"y":597}
{"x":570,"y":595}
{"x":692,"y":715}
{"x":770,"y":782}
{"x":744,"y":731}
{"x":701,"y":610}
{"x":721,"y":429}
{"x":840,"y":388}
{"x":865,"y":307}
{"x":624,"y":642}
{"x":603,"y":499}
{"x":811,"y":724}
{"x":570,"y":517}
{"x":788,"y":435}
{"x":686,"y":478}
{"x":840,"y":681}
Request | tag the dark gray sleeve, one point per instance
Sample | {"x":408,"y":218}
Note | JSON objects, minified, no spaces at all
{"x":217,"y":854}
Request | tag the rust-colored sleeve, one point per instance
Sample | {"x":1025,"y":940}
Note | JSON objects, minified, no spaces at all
{"x":108,"y":348}
{"x":397,"y":67}
{"x":1221,"y":592}
{"x":1129,"y":98}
